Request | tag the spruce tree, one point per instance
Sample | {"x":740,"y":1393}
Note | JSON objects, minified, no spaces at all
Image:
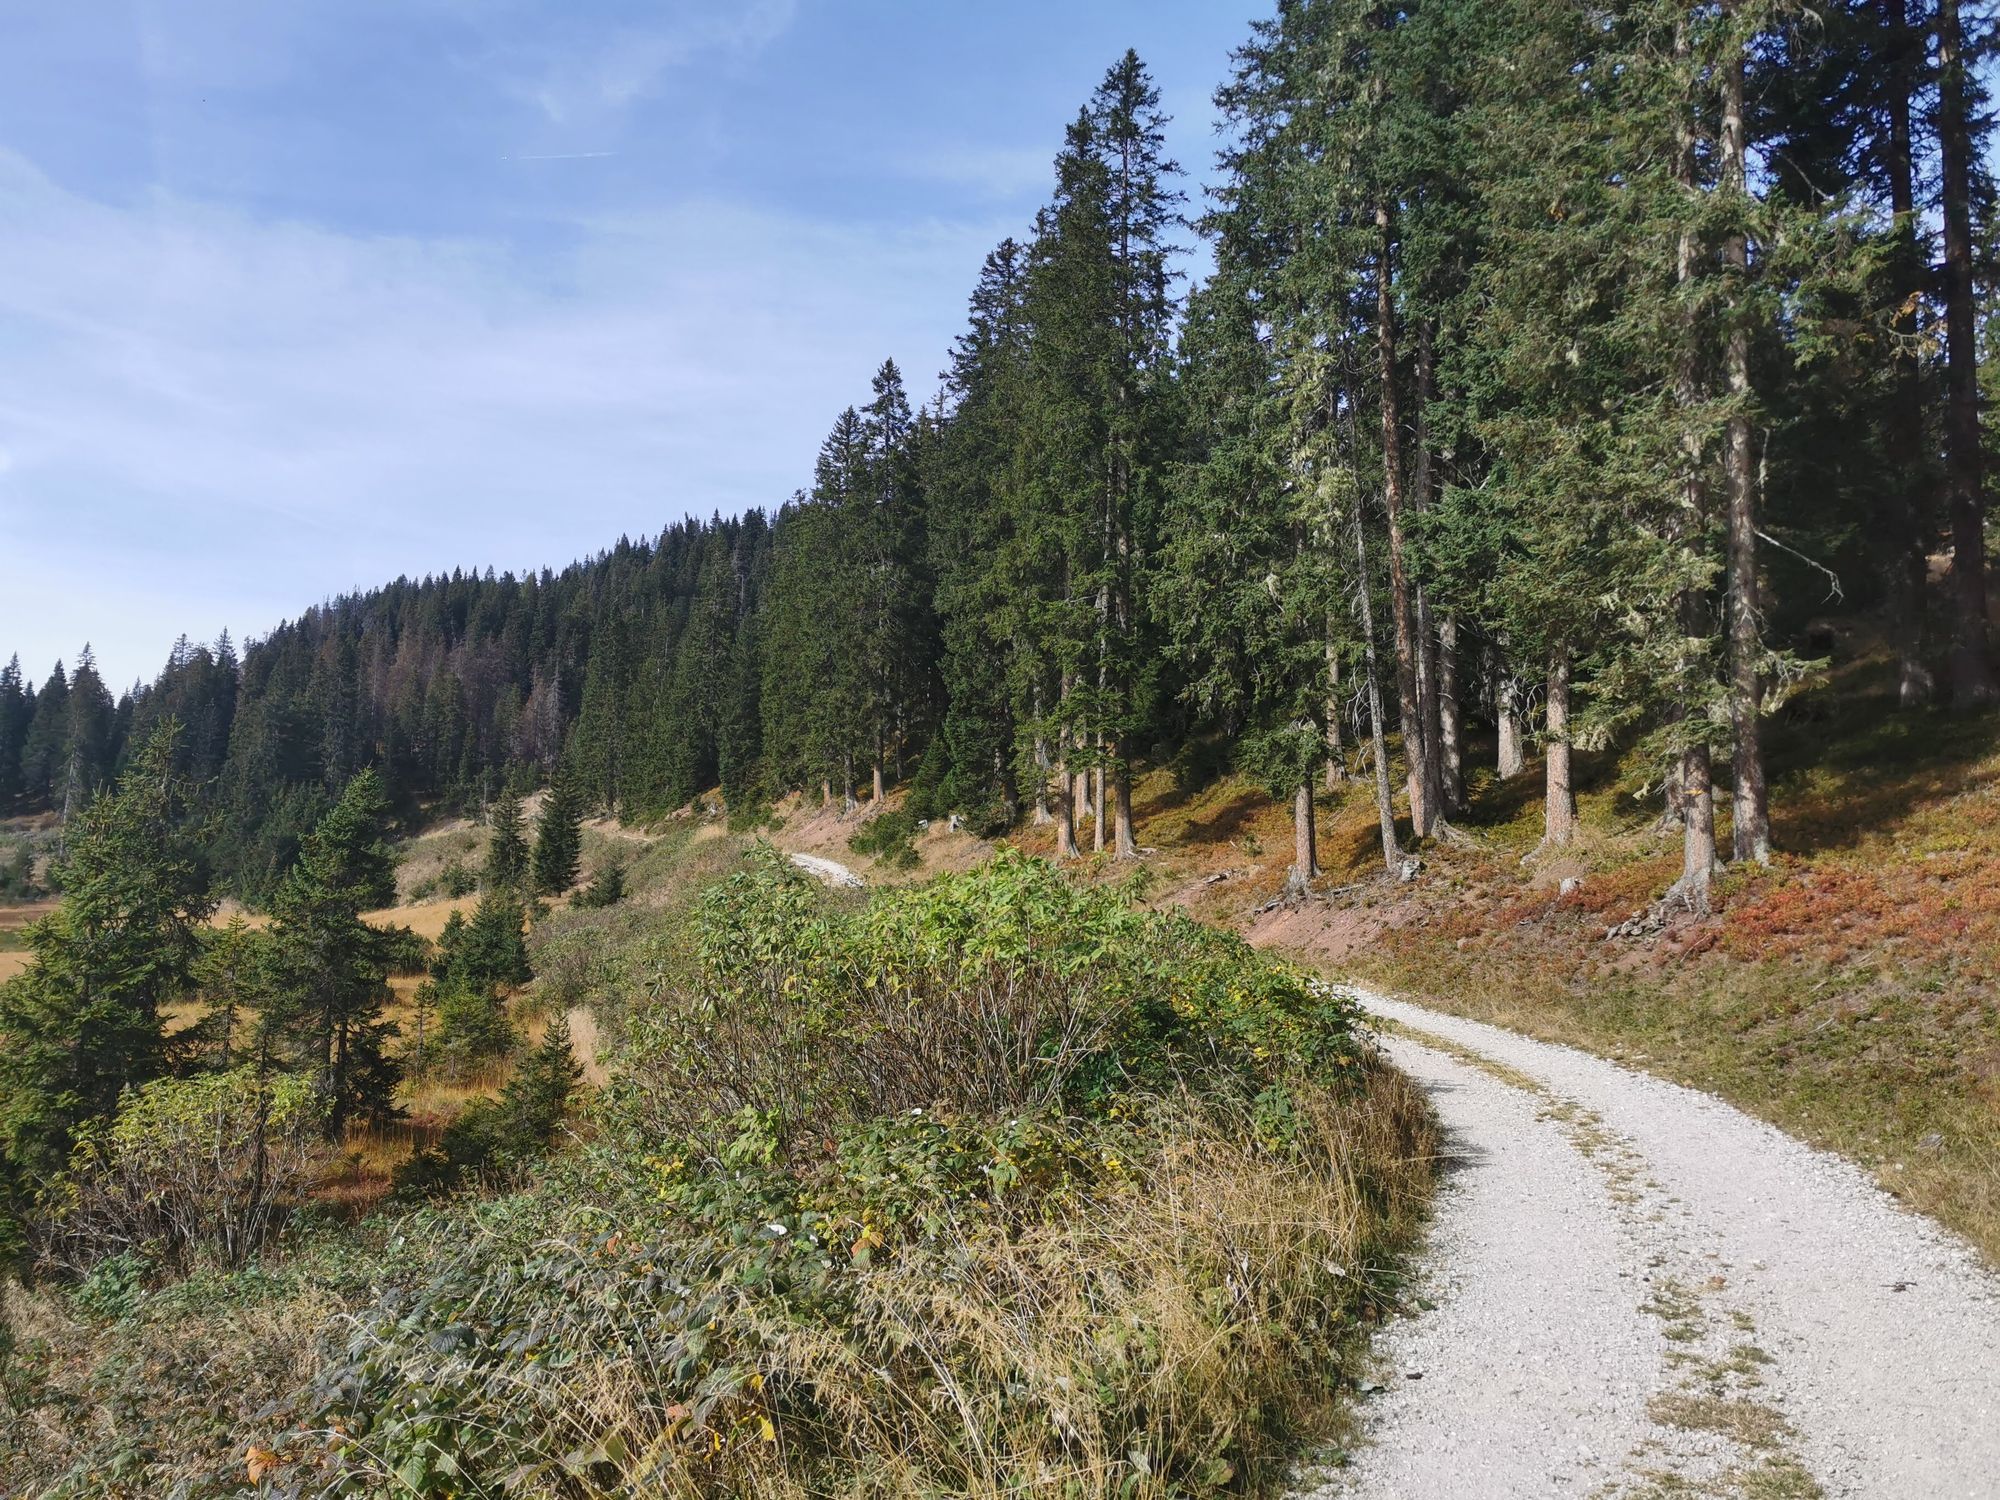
{"x":327,"y":976}
{"x":558,"y":839}
{"x":506,"y":844}
{"x":84,"y":1020}
{"x":16,"y":710}
{"x":45,"y":746}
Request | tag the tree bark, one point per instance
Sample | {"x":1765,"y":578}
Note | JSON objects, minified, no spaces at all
{"x":1305,"y":844}
{"x":1065,"y":799}
{"x":1402,"y":603}
{"x":1972,"y":682}
{"x":1451,"y":722}
{"x":1336,"y":751}
{"x":1097,"y":801}
{"x":1041,"y":781}
{"x":1559,"y":806}
{"x":876,"y":789}
{"x":1431,"y":669}
{"x":1673,"y":785}
{"x":1510,"y":759}
{"x":1385,"y":798}
{"x":1740,"y":484}
{"x":1905,"y":551}
{"x":1123,"y":844}
{"x":1693,"y":605}
{"x":1699,"y":862}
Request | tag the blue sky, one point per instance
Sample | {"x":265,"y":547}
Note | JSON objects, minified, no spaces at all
{"x":296,"y":296}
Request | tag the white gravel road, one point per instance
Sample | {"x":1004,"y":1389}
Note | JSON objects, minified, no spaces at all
{"x":1634,"y":1289}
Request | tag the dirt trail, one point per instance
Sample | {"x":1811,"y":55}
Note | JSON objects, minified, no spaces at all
{"x":1634,"y":1289}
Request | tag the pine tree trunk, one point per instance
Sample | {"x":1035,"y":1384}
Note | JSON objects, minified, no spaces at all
{"x":1385,"y":801}
{"x":1972,"y":682}
{"x":1305,"y":844}
{"x":1905,"y":552}
{"x":1097,"y":800}
{"x":1507,"y":716}
{"x":1430,"y":630}
{"x":1336,"y":752}
{"x":1559,"y":808}
{"x":1693,"y":605}
{"x":1010,"y":791}
{"x":1041,"y":781}
{"x":1698,"y":858}
{"x":1402,"y":602}
{"x":877,"y":789}
{"x":1451,"y":722}
{"x":1673,"y":785}
{"x":1123,"y":844}
{"x":1740,"y":483}
{"x":1065,"y":808}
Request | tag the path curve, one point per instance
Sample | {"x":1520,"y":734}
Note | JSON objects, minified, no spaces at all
{"x":1634,"y":1289}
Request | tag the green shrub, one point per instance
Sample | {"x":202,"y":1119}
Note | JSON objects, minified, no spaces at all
{"x":888,"y":837}
{"x":112,"y":1290}
{"x":17,"y":872}
{"x":933,"y":1196}
{"x":606,"y":888}
{"x":1003,"y":988}
{"x":455,"y":880}
{"x":473,"y":1025}
{"x":199,"y":1170}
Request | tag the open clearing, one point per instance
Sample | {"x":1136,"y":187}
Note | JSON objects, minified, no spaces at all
{"x":1633,"y":1289}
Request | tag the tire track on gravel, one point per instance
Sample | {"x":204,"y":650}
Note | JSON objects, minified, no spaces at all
{"x":1633,"y":1289}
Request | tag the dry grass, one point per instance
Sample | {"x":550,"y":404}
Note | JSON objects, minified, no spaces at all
{"x":423,"y":859}
{"x":15,"y":919}
{"x":1178,"y":1330}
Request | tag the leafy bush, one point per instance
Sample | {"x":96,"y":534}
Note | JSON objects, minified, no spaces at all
{"x":1005,"y":988}
{"x":992,"y":1185}
{"x":455,"y":880}
{"x":887,"y":836}
{"x":191,"y":1170}
{"x":112,"y":1289}
{"x":606,"y":888}
{"x":17,"y":872}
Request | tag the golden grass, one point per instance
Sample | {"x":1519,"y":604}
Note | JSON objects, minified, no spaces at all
{"x":1182,"y":1329}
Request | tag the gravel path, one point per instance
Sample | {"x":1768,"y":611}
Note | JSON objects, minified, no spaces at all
{"x":830,"y":871}
{"x":1633,"y":1289}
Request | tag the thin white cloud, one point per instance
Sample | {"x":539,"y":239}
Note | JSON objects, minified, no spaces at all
{"x":599,"y":71}
{"x":246,"y":410}
{"x":990,"y":171}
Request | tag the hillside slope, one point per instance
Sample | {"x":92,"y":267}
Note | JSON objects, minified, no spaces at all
{"x":1850,"y":993}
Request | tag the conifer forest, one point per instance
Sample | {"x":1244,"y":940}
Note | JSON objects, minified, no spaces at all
{"x":1453,"y":634}
{"x":1549,"y":369}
